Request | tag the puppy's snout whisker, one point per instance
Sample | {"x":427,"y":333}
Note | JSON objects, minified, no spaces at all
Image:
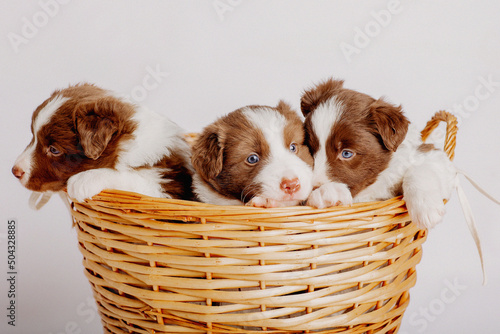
{"x":247,"y":191}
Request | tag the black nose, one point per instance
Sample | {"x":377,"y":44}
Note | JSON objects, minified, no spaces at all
{"x":17,"y":171}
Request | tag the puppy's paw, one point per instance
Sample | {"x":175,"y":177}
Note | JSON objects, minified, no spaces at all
{"x":330,"y":194}
{"x":84,"y":185}
{"x":425,"y":211}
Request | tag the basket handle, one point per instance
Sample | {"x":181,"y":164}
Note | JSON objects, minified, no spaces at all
{"x":450,"y":140}
{"x":449,"y":148}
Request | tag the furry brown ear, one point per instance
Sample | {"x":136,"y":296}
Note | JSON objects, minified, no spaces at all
{"x":285,"y":109}
{"x":320,"y":93}
{"x":390,"y":123}
{"x":207,"y":154}
{"x":96,"y":122}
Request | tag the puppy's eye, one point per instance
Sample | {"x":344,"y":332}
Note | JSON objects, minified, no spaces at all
{"x":54,"y":151}
{"x":293,"y":148}
{"x":346,"y":154}
{"x":252,"y":159}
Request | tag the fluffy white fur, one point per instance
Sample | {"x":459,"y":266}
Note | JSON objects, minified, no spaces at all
{"x":155,"y":137}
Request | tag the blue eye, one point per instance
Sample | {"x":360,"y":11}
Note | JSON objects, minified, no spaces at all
{"x":346,"y":154}
{"x":54,"y":150}
{"x":293,"y":148}
{"x":253,"y":159}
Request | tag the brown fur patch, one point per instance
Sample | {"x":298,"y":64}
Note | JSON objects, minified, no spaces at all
{"x":310,"y":138}
{"x":397,"y":189}
{"x":294,"y":132}
{"x":390,"y":122}
{"x":424,"y":148}
{"x":100,"y":119}
{"x":176,"y":175}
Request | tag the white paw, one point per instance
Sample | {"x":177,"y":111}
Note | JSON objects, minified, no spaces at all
{"x":84,"y":185}
{"x":330,"y":194}
{"x":425,"y":211}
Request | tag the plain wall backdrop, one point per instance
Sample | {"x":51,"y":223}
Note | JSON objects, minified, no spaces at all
{"x":196,"y":60}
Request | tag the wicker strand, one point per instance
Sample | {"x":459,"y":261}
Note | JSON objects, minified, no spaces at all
{"x":208,"y":276}
{"x":451,"y":131}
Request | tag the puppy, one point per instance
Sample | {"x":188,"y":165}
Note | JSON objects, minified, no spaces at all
{"x":365,"y":150}
{"x":87,"y":139}
{"x":255,"y":156}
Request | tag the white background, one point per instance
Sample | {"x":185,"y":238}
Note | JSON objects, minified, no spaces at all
{"x":425,"y":55}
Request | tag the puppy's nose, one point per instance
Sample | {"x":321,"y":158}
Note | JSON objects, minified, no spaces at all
{"x":18,"y":172}
{"x":290,"y":186}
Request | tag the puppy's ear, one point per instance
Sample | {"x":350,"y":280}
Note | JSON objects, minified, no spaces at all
{"x":389,"y":123}
{"x":96,"y":121}
{"x":285,"y":109}
{"x":322,"y":92}
{"x":207,"y":155}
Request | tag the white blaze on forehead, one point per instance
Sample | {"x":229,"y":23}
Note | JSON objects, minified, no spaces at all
{"x":270,"y":122}
{"x":47,"y":112}
{"x":323,"y":118}
{"x":24,"y":161}
{"x":281,"y":163}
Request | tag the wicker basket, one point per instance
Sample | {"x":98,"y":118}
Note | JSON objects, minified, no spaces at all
{"x":172,"y":266}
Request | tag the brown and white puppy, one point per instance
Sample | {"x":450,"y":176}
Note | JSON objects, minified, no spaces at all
{"x":87,"y":139}
{"x":255,"y":156}
{"x":365,"y":150}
